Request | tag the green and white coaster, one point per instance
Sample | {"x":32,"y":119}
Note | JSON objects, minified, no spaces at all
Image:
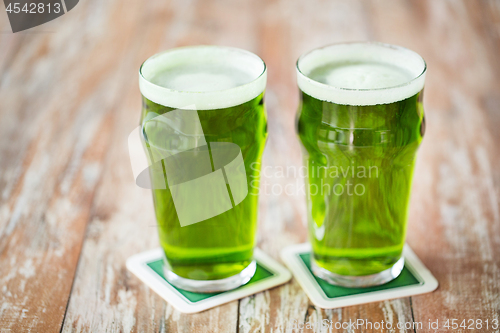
{"x":148,"y":267}
{"x":414,"y":279}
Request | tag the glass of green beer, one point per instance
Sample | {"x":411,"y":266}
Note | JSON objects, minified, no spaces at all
{"x":360,"y":121}
{"x":203,"y":124}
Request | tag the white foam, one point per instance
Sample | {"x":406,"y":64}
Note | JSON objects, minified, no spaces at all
{"x":361,"y":73}
{"x":208,"y":77}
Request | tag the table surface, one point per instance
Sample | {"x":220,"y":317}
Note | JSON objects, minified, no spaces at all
{"x":70,"y":214}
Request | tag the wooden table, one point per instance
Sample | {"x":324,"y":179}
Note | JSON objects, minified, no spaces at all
{"x":70,"y":214}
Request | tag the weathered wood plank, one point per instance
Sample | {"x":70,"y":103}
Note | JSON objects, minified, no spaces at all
{"x":54,"y":134}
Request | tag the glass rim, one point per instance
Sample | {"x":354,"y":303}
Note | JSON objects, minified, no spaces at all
{"x":204,"y":96}
{"x":386,"y":45}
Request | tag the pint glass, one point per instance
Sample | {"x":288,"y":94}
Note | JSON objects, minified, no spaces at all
{"x":203,"y":125}
{"x":360,"y":122}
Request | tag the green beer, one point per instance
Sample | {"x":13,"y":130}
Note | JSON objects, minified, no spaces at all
{"x":360,"y":122}
{"x":205,"y":251}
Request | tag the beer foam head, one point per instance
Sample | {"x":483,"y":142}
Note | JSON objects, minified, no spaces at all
{"x":361,"y":73}
{"x":203,"y":77}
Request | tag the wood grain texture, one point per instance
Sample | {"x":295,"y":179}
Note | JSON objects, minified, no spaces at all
{"x":53,"y":131}
{"x":70,"y":214}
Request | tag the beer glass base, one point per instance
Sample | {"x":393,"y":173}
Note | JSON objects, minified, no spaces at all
{"x":211,"y":286}
{"x":358,"y":281}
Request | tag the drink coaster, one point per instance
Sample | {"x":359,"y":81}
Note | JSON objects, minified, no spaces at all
{"x":148,"y":267}
{"x":415,"y":279}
